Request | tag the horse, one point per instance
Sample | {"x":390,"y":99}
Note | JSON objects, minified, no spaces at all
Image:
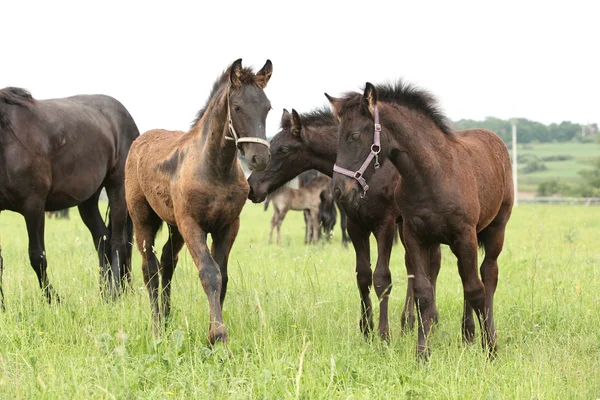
{"x":307,"y":199}
{"x":308,"y":141}
{"x":195,"y":183}
{"x":456,"y":189}
{"x":59,"y":214}
{"x":327,"y":212}
{"x":60,"y":153}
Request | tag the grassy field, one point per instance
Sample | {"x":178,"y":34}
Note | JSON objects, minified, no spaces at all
{"x":565,"y":171}
{"x":292,"y":313}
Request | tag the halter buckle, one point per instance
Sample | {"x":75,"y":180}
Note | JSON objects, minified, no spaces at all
{"x":357,"y":175}
{"x":378,"y":127}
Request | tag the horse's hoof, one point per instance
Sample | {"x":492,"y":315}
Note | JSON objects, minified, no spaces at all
{"x":423,"y":353}
{"x":407,"y":324}
{"x":217,"y":335}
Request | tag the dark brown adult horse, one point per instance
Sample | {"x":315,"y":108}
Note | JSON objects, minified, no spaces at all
{"x":456,"y":189}
{"x":309,"y":141}
{"x":59,"y":153}
{"x":194,"y":182}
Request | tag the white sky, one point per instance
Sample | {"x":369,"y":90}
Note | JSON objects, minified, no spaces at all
{"x":538,"y":60}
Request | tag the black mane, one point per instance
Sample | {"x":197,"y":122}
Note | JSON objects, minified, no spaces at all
{"x":317,"y":117}
{"x":405,"y":94}
{"x":13,"y":96}
{"x":247,"y":77}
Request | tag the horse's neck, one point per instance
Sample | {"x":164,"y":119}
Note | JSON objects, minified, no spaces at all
{"x":209,"y":135}
{"x":323,"y":148}
{"x":418,"y":152}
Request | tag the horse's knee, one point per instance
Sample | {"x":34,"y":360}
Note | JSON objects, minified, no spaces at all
{"x":382,"y":281}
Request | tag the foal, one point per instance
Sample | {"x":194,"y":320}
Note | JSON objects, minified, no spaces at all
{"x":307,"y":199}
{"x":456,"y":189}
{"x":194,"y":182}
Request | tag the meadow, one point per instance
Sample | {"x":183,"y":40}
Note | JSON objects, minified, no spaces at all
{"x":565,"y":171}
{"x":292,"y":313}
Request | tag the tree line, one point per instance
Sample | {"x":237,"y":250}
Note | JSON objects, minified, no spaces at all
{"x":532,"y":131}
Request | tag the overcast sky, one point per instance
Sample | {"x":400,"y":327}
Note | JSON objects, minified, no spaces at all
{"x":527,"y":59}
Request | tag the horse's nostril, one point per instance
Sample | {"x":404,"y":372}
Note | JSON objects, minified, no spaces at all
{"x":337,"y":193}
{"x":254,"y":159}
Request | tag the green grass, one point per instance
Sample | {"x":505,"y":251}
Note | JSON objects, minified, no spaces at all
{"x":284,"y":300}
{"x":565,"y":171}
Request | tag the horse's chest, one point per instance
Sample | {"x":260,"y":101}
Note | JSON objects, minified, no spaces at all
{"x":216,"y":205}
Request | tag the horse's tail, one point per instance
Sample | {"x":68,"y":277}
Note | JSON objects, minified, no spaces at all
{"x":480,"y":242}
{"x":267,"y":201}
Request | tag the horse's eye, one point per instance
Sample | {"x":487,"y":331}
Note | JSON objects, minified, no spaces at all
{"x":284,"y":150}
{"x":237,"y":108}
{"x":354,"y":137}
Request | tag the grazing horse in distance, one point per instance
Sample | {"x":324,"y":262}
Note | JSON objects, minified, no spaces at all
{"x":60,"y":153}
{"x":58,"y":214}
{"x":456,"y":189}
{"x":308,"y":141}
{"x":195,"y":183}
{"x":327,"y":212}
{"x":307,"y":199}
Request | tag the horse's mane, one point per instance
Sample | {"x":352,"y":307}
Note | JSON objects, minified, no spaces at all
{"x":247,"y":77}
{"x":13,"y":96}
{"x":317,"y":117}
{"x":404,"y":94}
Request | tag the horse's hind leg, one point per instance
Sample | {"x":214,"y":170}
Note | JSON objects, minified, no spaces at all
{"x":382,"y":277}
{"x":168,"y":262}
{"x":34,"y":218}
{"x":364,"y":275}
{"x":435,"y":264}
{"x":115,"y":189}
{"x":93,"y":221}
{"x":146,"y":224}
{"x":465,"y":249}
{"x":1,"y":272}
{"x":493,"y":241}
{"x":222,"y":244}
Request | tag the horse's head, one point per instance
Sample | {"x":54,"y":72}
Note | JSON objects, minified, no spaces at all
{"x":359,"y":144}
{"x":248,"y":107}
{"x":290,"y":156}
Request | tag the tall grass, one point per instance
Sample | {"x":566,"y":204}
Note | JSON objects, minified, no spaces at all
{"x":292,"y":313}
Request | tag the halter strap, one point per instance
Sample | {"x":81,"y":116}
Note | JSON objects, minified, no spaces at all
{"x":234,"y":136}
{"x":375,"y":149}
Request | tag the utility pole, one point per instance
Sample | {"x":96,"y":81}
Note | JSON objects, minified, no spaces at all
{"x":514,"y":161}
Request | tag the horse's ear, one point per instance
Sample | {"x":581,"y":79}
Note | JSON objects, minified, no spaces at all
{"x":370,"y":97}
{"x":263,"y":76}
{"x":286,"y":120}
{"x":335,"y":103}
{"x":296,"y":123}
{"x":235,"y":73}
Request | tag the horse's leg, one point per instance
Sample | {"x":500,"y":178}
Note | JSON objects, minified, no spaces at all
{"x":465,"y":249}
{"x":146,"y":224}
{"x":115,"y":190}
{"x":384,"y":234}
{"x":274,"y":220}
{"x":407,"y":321}
{"x":493,"y":241}
{"x":307,"y":223}
{"x":126,"y":273}
{"x":418,"y":262}
{"x":279,"y":222}
{"x":210,"y":275}
{"x":435,"y":263}
{"x":168,"y":262}
{"x":314,"y":215}
{"x":221,"y":246}
{"x":2,"y":308}
{"x":343,"y":225}
{"x":91,"y":217}
{"x":364,"y":275}
{"x":34,"y":218}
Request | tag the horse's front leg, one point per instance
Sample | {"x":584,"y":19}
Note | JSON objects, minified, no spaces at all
{"x":210,"y":275}
{"x":34,"y":218}
{"x":382,"y":277}
{"x":418,"y":259}
{"x":364,"y":275}
{"x":221,"y":247}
